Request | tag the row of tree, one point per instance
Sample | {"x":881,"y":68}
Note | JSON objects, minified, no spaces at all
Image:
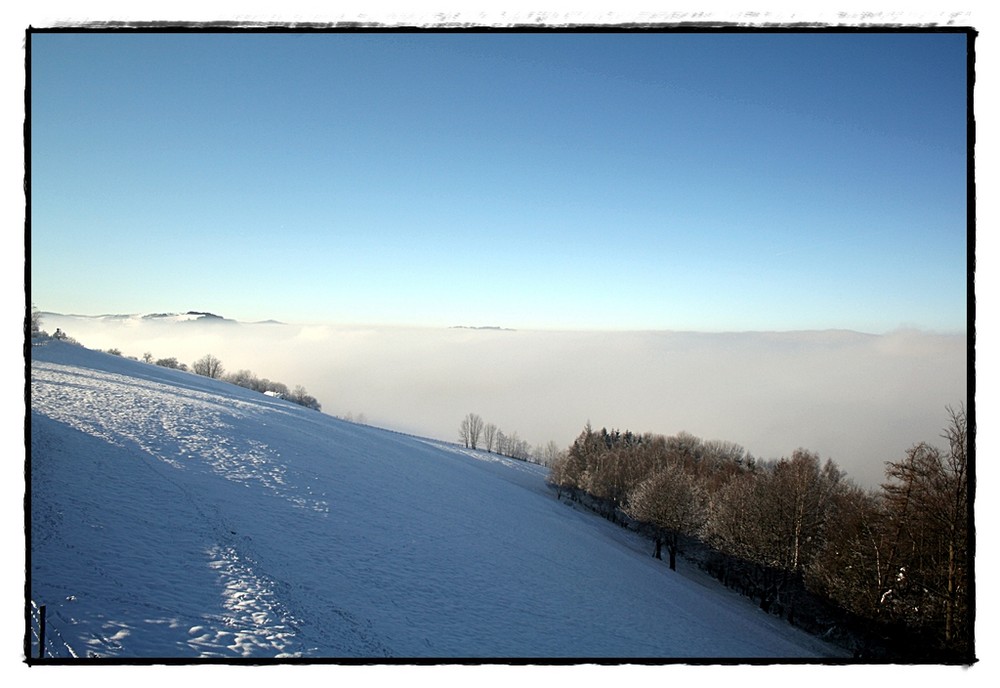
{"x":210,"y":366}
{"x":897,"y":556}
{"x":474,"y":433}
{"x":247,"y":379}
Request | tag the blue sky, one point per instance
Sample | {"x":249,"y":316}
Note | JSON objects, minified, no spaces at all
{"x":576,"y":180}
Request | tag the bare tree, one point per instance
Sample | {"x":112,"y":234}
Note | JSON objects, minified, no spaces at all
{"x":516,"y":448}
{"x":209,"y":366}
{"x":490,"y":436}
{"x":36,"y":321}
{"x":471,"y":430}
{"x":503,"y":442}
{"x":549,"y":453}
{"x":463,"y":432}
{"x":776,"y":516}
{"x":303,"y":398}
{"x":927,"y":497}
{"x":802,"y":492}
{"x":857,"y":565}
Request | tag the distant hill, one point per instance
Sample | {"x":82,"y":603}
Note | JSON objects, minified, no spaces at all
{"x":189,"y":316}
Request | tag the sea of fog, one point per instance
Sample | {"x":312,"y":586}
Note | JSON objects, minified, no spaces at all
{"x":860,"y":399}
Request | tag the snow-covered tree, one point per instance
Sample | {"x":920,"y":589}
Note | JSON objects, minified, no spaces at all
{"x":671,"y":501}
{"x":243,"y":378}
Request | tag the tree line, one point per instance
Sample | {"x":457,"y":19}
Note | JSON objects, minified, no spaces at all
{"x":211,"y":367}
{"x":797,"y":534}
{"x":475,"y":433}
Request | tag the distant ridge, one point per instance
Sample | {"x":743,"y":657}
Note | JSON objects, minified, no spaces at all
{"x":188,"y":316}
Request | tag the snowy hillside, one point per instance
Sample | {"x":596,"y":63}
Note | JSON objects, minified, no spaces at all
{"x":173,"y":516}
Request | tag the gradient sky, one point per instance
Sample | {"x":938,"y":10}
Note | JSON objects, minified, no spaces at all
{"x":761,"y":181}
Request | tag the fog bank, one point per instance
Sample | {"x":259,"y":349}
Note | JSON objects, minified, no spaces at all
{"x":859,"y":399}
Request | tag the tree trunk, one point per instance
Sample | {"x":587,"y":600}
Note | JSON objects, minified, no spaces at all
{"x":672,"y":550}
{"x":949,"y":607}
{"x":659,"y":546}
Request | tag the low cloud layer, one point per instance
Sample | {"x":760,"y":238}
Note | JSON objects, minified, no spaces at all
{"x":856,"y":398}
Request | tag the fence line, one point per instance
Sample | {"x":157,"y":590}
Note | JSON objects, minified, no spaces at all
{"x":43,"y":640}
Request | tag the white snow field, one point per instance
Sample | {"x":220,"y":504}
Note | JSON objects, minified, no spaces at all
{"x":177,"y":517}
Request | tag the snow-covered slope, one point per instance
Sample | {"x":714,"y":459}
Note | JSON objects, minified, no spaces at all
{"x":173,"y":516}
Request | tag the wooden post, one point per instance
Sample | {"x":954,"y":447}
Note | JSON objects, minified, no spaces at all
{"x":41,"y":632}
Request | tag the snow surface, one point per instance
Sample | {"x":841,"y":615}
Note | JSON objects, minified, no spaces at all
{"x":174,"y":516}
